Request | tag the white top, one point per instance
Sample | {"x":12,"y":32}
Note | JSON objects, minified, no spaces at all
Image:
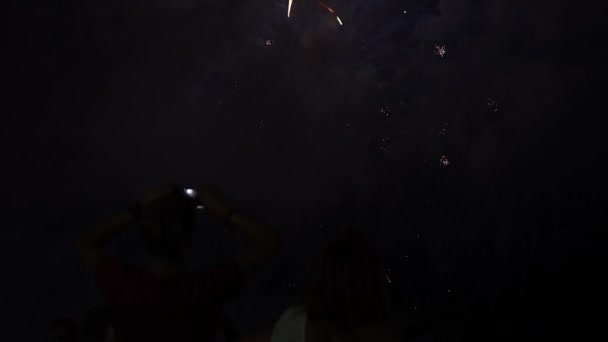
{"x":291,"y":326}
{"x":110,"y":335}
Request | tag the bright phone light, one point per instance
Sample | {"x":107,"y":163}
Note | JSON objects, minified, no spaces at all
{"x":190,"y":192}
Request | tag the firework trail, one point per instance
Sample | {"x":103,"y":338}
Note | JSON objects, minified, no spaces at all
{"x":329,"y":9}
{"x":326,"y":7}
{"x":379,"y":32}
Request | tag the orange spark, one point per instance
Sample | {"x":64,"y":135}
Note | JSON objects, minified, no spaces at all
{"x":326,"y":7}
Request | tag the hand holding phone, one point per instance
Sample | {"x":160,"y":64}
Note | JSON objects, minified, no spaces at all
{"x":192,"y":193}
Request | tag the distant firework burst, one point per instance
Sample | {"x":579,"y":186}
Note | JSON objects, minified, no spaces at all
{"x":375,"y":33}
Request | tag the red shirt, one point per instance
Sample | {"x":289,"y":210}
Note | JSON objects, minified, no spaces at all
{"x":184,"y":307}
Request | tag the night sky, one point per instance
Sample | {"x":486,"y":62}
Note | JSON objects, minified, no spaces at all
{"x":460,"y":134}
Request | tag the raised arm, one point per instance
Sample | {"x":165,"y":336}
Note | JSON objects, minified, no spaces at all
{"x":264,"y":241}
{"x":91,"y":242}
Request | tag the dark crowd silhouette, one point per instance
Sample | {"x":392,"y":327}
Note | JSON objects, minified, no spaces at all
{"x":348,"y":299}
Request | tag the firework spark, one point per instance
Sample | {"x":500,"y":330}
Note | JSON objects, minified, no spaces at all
{"x":386,"y":110}
{"x":326,"y":7}
{"x":259,"y":124}
{"x":492,"y":104}
{"x":444,"y":130}
{"x":387,"y":278}
{"x":329,"y":9}
{"x":440,"y":50}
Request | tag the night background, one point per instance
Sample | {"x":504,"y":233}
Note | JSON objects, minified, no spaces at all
{"x":460,"y":134}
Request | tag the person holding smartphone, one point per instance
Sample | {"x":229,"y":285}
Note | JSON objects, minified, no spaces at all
{"x":165,"y":302}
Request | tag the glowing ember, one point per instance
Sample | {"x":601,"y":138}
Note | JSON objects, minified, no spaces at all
{"x":386,"y":110}
{"x":259,"y":124}
{"x":492,"y":104}
{"x":440,"y":50}
{"x":326,"y":7}
{"x":444,"y":130}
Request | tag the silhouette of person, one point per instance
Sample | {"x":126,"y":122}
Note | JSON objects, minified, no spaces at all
{"x":347,"y":301}
{"x":63,"y":330}
{"x":165,"y":302}
{"x":95,"y":325}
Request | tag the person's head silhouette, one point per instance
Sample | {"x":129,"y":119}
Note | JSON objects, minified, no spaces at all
{"x":350,"y":290}
{"x":168,"y":226}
